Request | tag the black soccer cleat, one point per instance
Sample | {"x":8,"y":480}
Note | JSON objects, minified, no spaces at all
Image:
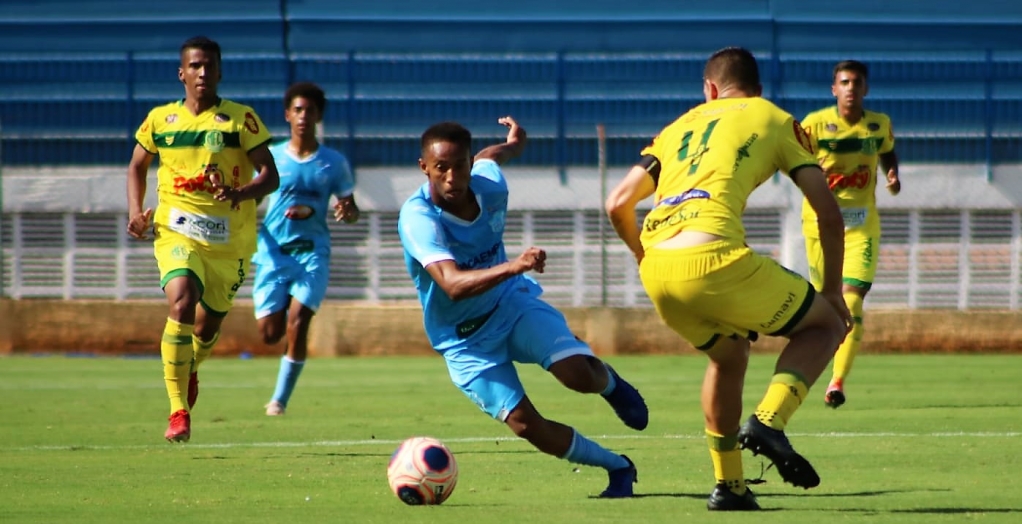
{"x":723,"y":499}
{"x":834,"y":398}
{"x":773,"y":444}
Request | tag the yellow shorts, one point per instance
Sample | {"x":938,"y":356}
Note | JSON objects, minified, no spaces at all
{"x":723,"y":289}
{"x":218,"y":278}
{"x":862,"y":252}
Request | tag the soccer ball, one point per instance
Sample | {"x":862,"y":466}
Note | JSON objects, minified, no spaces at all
{"x":422,"y":471}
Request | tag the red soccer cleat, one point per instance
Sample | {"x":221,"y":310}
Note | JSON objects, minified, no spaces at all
{"x":193,"y":389}
{"x":180,"y":428}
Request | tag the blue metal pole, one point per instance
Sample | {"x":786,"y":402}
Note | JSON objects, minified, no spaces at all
{"x":562,"y":139}
{"x":988,"y":100}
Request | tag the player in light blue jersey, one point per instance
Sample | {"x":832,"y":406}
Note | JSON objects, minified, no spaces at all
{"x":483,"y":314}
{"x":293,"y":259}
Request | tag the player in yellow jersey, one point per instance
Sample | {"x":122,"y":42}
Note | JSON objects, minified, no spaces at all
{"x":716,"y":292}
{"x":849,"y":141}
{"x":214,"y":164}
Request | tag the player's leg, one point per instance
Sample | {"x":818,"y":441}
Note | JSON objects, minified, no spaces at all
{"x":299,"y":318}
{"x":681,"y":298}
{"x":499,"y":392}
{"x":787,"y":305}
{"x":307,"y":290}
{"x":271,"y":301}
{"x":861,"y":257}
{"x":181,"y":277}
{"x":224,"y":278}
{"x":540,"y":335}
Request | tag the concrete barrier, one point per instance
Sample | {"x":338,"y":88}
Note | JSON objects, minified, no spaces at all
{"x":134,"y":327}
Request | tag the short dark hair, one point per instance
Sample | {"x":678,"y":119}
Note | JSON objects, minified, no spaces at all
{"x":735,"y":66}
{"x":204,"y":44}
{"x":447,"y":132}
{"x":308,"y":91}
{"x":854,"y":66}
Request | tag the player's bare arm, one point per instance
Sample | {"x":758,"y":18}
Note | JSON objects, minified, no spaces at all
{"x":138,"y":169}
{"x":511,"y":148}
{"x":346,"y":210}
{"x":461,"y":283}
{"x":889,"y":164}
{"x":265,"y":182}
{"x":637,"y":185}
{"x":813,"y":184}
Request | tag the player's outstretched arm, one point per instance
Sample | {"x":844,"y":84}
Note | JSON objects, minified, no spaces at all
{"x":889,"y":163}
{"x":620,"y":206}
{"x":464,"y":283}
{"x":138,"y":169}
{"x":265,"y":182}
{"x":511,"y":148}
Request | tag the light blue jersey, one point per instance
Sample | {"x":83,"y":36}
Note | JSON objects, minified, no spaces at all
{"x":430,"y":235}
{"x":293,"y":256}
{"x":481,"y":336}
{"x":310,"y":182}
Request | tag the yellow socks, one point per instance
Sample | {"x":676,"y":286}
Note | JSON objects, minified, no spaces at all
{"x":783,"y":397}
{"x":850,"y":347}
{"x":177,"y":354}
{"x":727,"y":460}
{"x":203,"y":349}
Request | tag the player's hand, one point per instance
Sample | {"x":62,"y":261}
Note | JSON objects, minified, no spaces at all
{"x":225,"y":193}
{"x":514,"y":130}
{"x":893,"y":182}
{"x":139,"y":224}
{"x":837,"y":301}
{"x":346,"y":211}
{"x":533,"y":259}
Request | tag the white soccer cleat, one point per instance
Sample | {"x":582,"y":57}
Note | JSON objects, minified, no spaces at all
{"x":274,"y":409}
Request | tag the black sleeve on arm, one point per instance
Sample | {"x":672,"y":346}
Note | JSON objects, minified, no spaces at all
{"x":652,"y":166}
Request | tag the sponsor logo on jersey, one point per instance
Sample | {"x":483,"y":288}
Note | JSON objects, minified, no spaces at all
{"x":171,"y":118}
{"x":484,"y":259}
{"x":858,"y":179}
{"x":801,"y":136}
{"x":222,"y":117}
{"x":214,"y":230}
{"x":687,"y":195}
{"x":743,"y":152}
{"x":873,"y":126}
{"x":831,"y":127}
{"x":251,"y":124}
{"x":497,"y":221}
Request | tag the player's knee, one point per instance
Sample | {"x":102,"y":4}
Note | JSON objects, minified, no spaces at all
{"x":580,"y":373}
{"x":271,"y":333}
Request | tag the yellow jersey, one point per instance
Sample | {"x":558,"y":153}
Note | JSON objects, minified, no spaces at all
{"x":849,"y":155}
{"x":712,"y":158}
{"x":192,"y":149}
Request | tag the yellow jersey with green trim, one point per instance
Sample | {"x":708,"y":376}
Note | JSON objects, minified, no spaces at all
{"x":712,"y":158}
{"x":848,"y":154}
{"x":193,"y":149}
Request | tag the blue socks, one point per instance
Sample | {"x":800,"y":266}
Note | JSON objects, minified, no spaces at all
{"x":589,"y":453}
{"x":286,"y":379}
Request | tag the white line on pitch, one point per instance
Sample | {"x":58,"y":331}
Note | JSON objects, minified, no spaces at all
{"x":391,"y":442}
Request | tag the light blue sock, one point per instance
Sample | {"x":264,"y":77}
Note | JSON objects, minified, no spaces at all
{"x":611,"y":382}
{"x":287,"y":377}
{"x":585,"y":451}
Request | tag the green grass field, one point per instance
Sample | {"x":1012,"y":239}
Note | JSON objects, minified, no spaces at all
{"x":924,"y":438}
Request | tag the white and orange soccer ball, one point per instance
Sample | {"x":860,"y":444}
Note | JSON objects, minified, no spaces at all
{"x":422,"y":471}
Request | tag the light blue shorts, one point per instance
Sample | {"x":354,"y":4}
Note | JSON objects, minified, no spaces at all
{"x":522,"y":329}
{"x":304,"y":277}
